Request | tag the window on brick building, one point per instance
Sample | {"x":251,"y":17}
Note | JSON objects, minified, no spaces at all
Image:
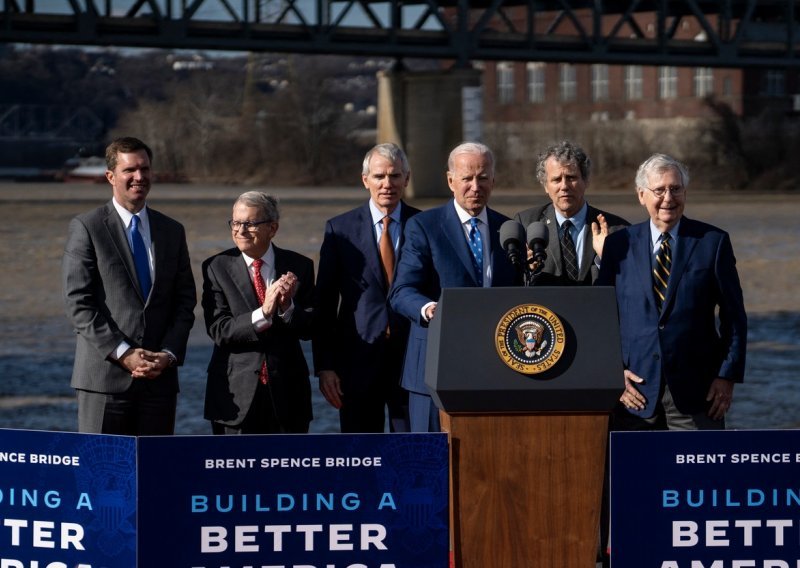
{"x":568,"y":82}
{"x":667,"y":82}
{"x":703,"y":81}
{"x":633,"y":82}
{"x":505,"y":82}
{"x":536,"y":91}
{"x":727,"y":86}
{"x":774,"y":84}
{"x":599,"y":82}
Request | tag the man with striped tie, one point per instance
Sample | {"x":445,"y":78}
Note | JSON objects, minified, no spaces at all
{"x":682,"y":319}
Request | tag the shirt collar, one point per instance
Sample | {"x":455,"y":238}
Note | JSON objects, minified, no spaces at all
{"x":377,"y":214}
{"x":578,"y":220}
{"x":126,"y":216}
{"x":464,"y":217}
{"x":655,"y":233}
{"x":268,"y":258}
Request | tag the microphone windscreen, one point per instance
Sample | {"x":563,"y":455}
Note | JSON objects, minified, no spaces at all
{"x":537,"y":232}
{"x":511,"y":231}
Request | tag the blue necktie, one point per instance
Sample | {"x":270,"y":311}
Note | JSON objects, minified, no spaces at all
{"x":140,"y":258}
{"x":476,"y":244}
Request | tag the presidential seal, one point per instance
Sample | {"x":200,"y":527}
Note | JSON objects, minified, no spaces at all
{"x":530,"y":338}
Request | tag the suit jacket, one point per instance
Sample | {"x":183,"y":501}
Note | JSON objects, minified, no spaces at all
{"x":436,"y":255}
{"x":351,"y":306}
{"x":105,"y":305}
{"x":229,"y":299}
{"x":553,"y":273}
{"x":682,"y":345}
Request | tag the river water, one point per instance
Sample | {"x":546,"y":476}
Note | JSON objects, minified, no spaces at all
{"x":36,"y":344}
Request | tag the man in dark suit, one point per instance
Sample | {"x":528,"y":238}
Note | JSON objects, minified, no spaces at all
{"x":573,"y":249}
{"x":454,"y":245}
{"x":130,"y":297}
{"x":257,"y":307}
{"x":359,"y":342}
{"x":682,"y":318}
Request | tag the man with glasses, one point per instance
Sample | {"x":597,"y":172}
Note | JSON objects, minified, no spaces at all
{"x":130,"y":297}
{"x":682,"y":319}
{"x":257,"y":307}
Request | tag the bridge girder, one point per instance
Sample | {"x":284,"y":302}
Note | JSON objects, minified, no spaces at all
{"x":735,"y":33}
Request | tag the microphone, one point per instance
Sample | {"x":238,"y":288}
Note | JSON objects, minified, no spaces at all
{"x":538,"y":237}
{"x":512,"y":238}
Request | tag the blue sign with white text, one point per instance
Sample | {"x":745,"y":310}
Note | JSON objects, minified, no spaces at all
{"x":67,"y":500}
{"x":722,"y":499}
{"x":310,"y":501}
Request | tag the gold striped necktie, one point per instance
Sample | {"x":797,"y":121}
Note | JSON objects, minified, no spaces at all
{"x":662,"y":269}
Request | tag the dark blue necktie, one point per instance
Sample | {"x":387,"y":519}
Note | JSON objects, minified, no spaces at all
{"x":476,"y":245}
{"x":140,"y":258}
{"x":568,"y":252}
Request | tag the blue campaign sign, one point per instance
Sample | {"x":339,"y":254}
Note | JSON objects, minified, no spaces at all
{"x":67,"y":500}
{"x":726,"y":499}
{"x":310,"y":501}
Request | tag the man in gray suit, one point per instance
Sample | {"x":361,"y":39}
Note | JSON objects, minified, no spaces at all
{"x":130,"y":297}
{"x":577,"y":230}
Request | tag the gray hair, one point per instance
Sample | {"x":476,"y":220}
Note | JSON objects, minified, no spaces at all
{"x":265,"y":202}
{"x":389,"y":151}
{"x":470,"y":148}
{"x":659,"y":163}
{"x":565,"y":152}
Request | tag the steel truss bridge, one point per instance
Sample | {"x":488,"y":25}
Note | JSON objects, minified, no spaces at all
{"x":735,"y":33}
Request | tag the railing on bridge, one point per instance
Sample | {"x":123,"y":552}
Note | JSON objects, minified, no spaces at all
{"x":735,"y":32}
{"x":48,"y":122}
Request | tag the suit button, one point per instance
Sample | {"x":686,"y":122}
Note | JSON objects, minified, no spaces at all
{"x":656,"y":356}
{"x":661,"y":326}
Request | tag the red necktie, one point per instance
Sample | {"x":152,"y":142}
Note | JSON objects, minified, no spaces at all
{"x":261,"y":291}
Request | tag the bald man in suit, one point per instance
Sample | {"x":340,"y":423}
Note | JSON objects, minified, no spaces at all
{"x":130,"y":297}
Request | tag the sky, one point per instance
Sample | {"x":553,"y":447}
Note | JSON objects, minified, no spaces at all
{"x":351,"y":13}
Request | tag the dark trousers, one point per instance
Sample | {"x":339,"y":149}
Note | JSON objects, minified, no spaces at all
{"x":367,"y":400}
{"x":262,"y":418}
{"x":140,"y":411}
{"x":364,"y":410}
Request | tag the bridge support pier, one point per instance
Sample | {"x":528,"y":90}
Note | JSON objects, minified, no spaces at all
{"x":428,"y":113}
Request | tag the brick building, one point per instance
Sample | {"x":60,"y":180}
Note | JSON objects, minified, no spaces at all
{"x":532,"y":91}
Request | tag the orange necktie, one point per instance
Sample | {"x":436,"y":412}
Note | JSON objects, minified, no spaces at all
{"x":387,"y":252}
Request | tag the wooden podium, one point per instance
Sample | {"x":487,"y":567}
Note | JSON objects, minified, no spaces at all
{"x":527,"y":449}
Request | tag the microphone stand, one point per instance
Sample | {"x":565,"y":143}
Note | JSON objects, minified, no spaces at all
{"x":533,"y":270}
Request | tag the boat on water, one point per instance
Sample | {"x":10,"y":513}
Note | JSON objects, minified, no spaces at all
{"x":87,"y":170}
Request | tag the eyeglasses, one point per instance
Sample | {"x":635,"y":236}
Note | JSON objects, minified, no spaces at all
{"x":249,"y":226}
{"x":674,"y":190}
